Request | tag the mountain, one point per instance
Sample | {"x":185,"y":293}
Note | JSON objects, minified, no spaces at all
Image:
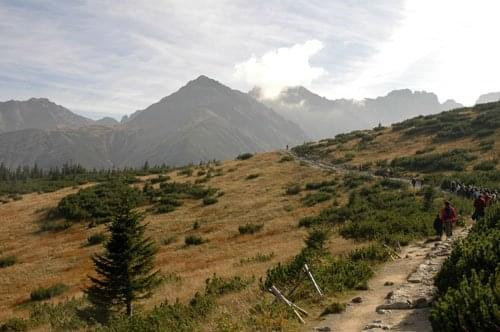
{"x":488,"y":98}
{"x":107,"y":122}
{"x":39,"y":113}
{"x":204,"y":120}
{"x":321,"y":117}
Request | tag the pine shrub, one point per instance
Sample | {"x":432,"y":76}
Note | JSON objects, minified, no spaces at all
{"x":7,"y":261}
{"x":244,"y":156}
{"x":193,"y":240}
{"x":250,"y":228}
{"x":42,"y":293}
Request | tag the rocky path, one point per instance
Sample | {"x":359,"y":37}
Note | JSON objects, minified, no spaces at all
{"x":399,"y":294}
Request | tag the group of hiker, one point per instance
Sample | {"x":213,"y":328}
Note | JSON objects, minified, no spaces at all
{"x":472,"y":192}
{"x":447,"y":217}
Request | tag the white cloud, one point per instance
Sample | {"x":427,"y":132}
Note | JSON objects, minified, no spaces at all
{"x":281,"y":68}
{"x":447,"y":47}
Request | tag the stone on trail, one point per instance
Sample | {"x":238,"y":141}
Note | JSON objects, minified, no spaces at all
{"x":323,"y":329}
{"x":358,"y":299}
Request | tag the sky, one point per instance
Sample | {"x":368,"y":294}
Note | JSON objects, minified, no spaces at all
{"x":113,"y":57}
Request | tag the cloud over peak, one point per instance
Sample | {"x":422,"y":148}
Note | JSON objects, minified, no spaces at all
{"x":281,"y":68}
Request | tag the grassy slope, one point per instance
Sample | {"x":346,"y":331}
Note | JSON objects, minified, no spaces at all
{"x":47,"y":258}
{"x":389,"y":143}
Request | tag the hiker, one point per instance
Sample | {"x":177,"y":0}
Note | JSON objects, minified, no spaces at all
{"x":438,"y":226}
{"x":448,"y":216}
{"x":479,"y":206}
{"x":287,"y":147}
{"x":414,"y":182}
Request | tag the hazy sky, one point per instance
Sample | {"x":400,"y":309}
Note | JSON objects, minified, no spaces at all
{"x":117,"y":56}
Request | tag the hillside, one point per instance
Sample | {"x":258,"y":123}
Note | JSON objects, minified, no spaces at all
{"x":453,"y":143}
{"x":257,"y":219}
{"x":37,"y":113}
{"x":321,"y":117}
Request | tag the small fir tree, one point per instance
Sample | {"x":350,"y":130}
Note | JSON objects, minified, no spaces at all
{"x":125,"y":270}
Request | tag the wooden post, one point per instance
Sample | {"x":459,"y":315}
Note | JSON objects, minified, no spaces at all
{"x":306,"y":269}
{"x":275,"y":291}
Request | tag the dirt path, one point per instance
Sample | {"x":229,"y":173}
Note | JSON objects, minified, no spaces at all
{"x":399,"y":294}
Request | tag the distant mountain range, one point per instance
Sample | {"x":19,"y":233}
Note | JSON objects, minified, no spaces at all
{"x":203,"y":120}
{"x":488,"y":98}
{"x":321,"y":117}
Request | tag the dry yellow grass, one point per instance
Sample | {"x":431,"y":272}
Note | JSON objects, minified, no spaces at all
{"x":391,"y":144}
{"x":47,"y":258}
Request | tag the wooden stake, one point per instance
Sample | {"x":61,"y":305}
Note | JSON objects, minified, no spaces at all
{"x":306,"y":269}
{"x":275,"y":291}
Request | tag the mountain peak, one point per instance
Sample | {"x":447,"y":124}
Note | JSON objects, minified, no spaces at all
{"x":204,"y":81}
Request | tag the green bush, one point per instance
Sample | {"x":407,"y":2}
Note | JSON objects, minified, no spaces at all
{"x":334,"y":308}
{"x":244,"y":156}
{"x":472,"y":306}
{"x":42,"y":293}
{"x":374,"y":253}
{"x":7,"y":261}
{"x":220,"y":286}
{"x":193,"y":240}
{"x":14,"y":325}
{"x":95,"y":239}
{"x":319,"y":185}
{"x":286,"y":158}
{"x":99,"y":203}
{"x":210,"y":200}
{"x":470,"y":301}
{"x":165,"y":208}
{"x":312,"y":199}
{"x":293,"y":189}
{"x":169,"y":240}
{"x":487,"y":165}
{"x":250,"y":228}
{"x":252,"y":176}
{"x":454,"y":160}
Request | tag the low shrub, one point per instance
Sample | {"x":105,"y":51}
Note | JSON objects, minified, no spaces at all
{"x":14,"y":325}
{"x":286,"y":158}
{"x":193,"y":240}
{"x":210,"y":200}
{"x":312,"y":199}
{"x":259,"y":258}
{"x":252,"y":176}
{"x":169,"y":240}
{"x":220,"y":286}
{"x":293,"y":189}
{"x":95,"y":239}
{"x":165,"y":208}
{"x":472,"y":306}
{"x":319,"y":185}
{"x":373,"y":252}
{"x":244,"y":156}
{"x":334,"y":308}
{"x":250,"y":228}
{"x":7,"y":261}
{"x":42,"y":293}
{"x":487,"y":165}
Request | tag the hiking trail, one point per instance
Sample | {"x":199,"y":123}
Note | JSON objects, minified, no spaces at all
{"x":400,"y":292}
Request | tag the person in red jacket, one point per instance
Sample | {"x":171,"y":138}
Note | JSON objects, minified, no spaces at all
{"x":449,"y":217}
{"x":479,"y":206}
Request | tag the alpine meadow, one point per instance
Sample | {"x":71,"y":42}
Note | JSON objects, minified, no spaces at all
{"x":267,"y":166}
